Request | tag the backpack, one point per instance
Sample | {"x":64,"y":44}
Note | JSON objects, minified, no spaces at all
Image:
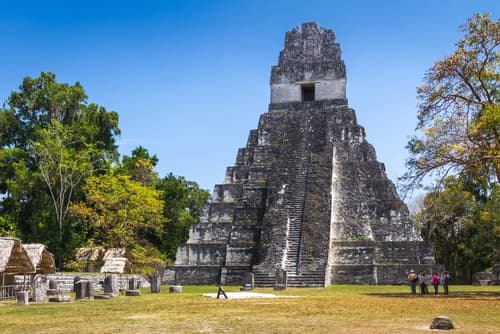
{"x":412,"y":277}
{"x":446,"y":278}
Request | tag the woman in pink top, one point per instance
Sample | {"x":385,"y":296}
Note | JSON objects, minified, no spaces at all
{"x":435,"y":282}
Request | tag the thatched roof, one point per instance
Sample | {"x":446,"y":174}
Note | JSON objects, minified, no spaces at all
{"x":13,"y":257}
{"x":117,"y":265}
{"x":89,"y":254}
{"x":42,"y":259}
{"x":115,"y":252}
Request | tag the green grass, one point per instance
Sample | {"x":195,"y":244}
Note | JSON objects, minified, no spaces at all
{"x":337,"y":309}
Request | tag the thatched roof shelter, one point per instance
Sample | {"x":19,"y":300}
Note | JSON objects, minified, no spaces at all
{"x":117,"y":265}
{"x":89,"y":254}
{"x":115,"y":252}
{"x":42,"y":259}
{"x":14,"y":258}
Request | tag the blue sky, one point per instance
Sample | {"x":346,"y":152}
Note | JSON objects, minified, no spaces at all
{"x":189,"y":79}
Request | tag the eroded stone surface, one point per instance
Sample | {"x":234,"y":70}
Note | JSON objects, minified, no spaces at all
{"x":307,"y":194}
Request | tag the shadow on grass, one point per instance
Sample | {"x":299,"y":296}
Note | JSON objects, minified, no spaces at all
{"x":458,"y":295}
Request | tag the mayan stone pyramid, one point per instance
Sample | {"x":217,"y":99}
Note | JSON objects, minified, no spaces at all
{"x":306,"y":195}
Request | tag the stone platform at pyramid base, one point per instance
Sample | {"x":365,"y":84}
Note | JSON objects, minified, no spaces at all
{"x":204,"y":275}
{"x":374,"y":274}
{"x":389,"y":274}
{"x":382,"y":262}
{"x":352,"y":262}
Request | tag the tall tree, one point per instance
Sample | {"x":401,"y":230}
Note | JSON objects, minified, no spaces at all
{"x":183,"y":206}
{"x":24,"y":197}
{"x":446,"y":218}
{"x":140,"y":166}
{"x":62,"y":165}
{"x":459,"y":115}
{"x":459,"y":143}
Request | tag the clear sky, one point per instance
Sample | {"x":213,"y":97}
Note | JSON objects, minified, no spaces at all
{"x":189,"y":79}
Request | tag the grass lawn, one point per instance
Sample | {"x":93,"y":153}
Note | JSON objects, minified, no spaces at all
{"x":337,"y":309}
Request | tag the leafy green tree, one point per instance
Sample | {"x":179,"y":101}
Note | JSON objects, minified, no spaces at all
{"x":459,"y":116}
{"x":7,"y":226}
{"x":24,"y":195}
{"x":140,"y":166}
{"x":120,"y":211}
{"x":183,"y":206}
{"x":182,"y":198}
{"x":485,"y":237}
{"x":62,"y":166}
{"x":465,"y":232}
{"x":38,"y":101}
{"x":446,"y":218}
{"x":459,"y":143}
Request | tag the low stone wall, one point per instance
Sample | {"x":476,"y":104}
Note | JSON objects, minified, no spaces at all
{"x":378,"y":274}
{"x":66,"y":281}
{"x":203,"y":275}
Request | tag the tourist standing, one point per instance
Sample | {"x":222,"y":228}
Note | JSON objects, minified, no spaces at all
{"x":422,"y":281}
{"x":412,"y":279}
{"x":435,"y":282}
{"x":445,"y":279}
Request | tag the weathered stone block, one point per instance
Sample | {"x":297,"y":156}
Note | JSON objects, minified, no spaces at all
{"x":281,"y":280}
{"x":442,"y":323}
{"x":23,"y":298}
{"x":239,"y":255}
{"x":132,"y":293}
{"x":81,"y":289}
{"x":111,"y":285}
{"x":221,"y":213}
{"x":155,"y":283}
{"x":209,"y":233}
{"x":226,"y":193}
{"x":39,"y":290}
{"x":175,"y":289}
{"x":248,"y":282}
{"x":60,"y":299}
{"x":204,"y":254}
{"x":244,"y":234}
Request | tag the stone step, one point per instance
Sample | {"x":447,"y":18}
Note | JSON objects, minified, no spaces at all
{"x":265,"y":282}
{"x":312,"y":279}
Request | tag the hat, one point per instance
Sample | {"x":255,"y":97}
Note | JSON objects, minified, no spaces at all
{"x":412,"y":271}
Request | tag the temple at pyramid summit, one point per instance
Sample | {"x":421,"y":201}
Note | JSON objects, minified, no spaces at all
{"x":306,"y":196}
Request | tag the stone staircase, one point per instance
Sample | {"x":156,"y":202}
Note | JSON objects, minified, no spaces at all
{"x":299,"y":162}
{"x":296,"y":208}
{"x":263,"y":279}
{"x":310,"y":279}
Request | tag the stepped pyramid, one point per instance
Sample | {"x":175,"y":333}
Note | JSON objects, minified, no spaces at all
{"x":307,"y":194}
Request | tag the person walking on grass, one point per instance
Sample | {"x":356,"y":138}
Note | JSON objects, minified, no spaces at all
{"x":435,"y":282}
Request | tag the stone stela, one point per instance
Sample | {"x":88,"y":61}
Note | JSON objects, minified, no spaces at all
{"x":306,"y":197}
